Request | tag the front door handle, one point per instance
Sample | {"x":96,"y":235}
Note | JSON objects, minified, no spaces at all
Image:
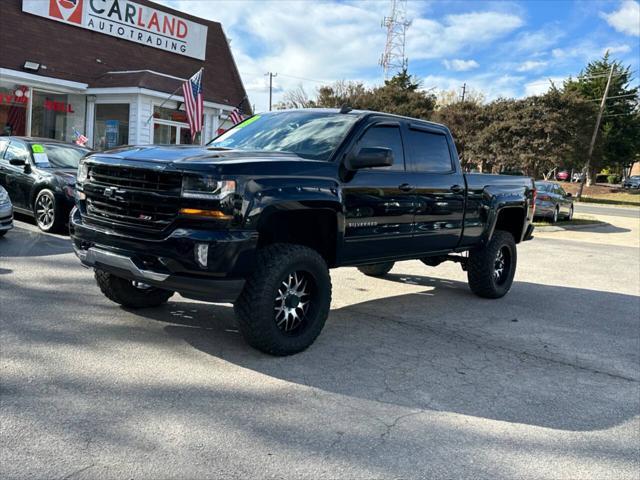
{"x":405,"y":187}
{"x":457,"y":189}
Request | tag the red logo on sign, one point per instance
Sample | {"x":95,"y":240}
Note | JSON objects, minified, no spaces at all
{"x":67,"y":10}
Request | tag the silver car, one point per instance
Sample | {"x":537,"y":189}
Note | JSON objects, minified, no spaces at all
{"x":6,"y":212}
{"x":632,"y":182}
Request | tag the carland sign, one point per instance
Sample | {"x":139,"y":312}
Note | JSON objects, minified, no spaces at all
{"x":128,"y":21}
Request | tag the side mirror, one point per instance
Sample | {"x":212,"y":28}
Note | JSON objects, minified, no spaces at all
{"x":17,"y":161}
{"x":369,"y":157}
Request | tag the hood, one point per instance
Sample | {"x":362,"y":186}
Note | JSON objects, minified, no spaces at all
{"x":190,"y":154}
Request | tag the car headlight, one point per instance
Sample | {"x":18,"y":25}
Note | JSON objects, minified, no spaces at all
{"x":206,"y":187}
{"x":4,"y":197}
{"x":83,"y":171}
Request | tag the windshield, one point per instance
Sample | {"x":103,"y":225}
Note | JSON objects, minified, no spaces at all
{"x":308,"y":134}
{"x":63,"y":156}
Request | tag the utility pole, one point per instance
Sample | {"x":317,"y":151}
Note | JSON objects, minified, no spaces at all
{"x":271,"y":75}
{"x":464,"y":89}
{"x":587,"y":165}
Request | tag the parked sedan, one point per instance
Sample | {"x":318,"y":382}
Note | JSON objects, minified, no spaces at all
{"x":632,"y":182}
{"x":6,"y":212}
{"x":552,"y":202}
{"x":39,"y":175}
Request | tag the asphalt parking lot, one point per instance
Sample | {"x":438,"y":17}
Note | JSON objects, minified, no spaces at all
{"x":413,"y":376}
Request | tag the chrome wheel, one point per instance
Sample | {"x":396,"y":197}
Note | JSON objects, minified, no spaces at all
{"x":45,"y":211}
{"x":292,"y":301}
{"x":555,"y":215}
{"x":501,"y":265}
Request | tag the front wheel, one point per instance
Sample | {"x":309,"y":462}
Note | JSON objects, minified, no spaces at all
{"x":285,"y":302}
{"x":491,"y":269}
{"x":570,"y":214}
{"x":129,"y":293}
{"x":376,"y":269}
{"x":554,"y":217}
{"x":47,"y":212}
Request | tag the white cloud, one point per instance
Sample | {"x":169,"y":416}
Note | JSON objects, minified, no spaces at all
{"x":458,"y":65}
{"x":537,"y":40}
{"x":626,"y":19}
{"x":492,"y":85}
{"x":531,"y":65}
{"x":428,"y":38}
{"x":541,"y":85}
{"x":613,"y":49}
{"x":323,"y":41}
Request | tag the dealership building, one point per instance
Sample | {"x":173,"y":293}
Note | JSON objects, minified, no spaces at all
{"x":107,"y":68}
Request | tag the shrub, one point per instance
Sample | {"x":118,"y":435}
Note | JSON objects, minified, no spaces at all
{"x":613,"y":179}
{"x":601,"y":178}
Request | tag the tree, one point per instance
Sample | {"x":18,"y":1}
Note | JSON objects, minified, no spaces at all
{"x":400,"y":95}
{"x":296,"y":98}
{"x":618,"y":141}
{"x":450,"y":97}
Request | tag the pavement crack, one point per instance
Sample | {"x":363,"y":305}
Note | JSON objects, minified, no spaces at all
{"x":76,"y":472}
{"x":475,"y":340}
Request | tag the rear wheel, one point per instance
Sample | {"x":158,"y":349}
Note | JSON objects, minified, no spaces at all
{"x":129,"y":293}
{"x":285,"y":302}
{"x":490,"y":270}
{"x":47,"y":212}
{"x":554,"y":216}
{"x":376,"y":269}
{"x":2,"y":233}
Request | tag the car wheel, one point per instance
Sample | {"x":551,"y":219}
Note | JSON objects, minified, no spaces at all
{"x":490,"y":270}
{"x":129,"y":293}
{"x":3,"y":232}
{"x":285,"y":302}
{"x":47,"y":212}
{"x":376,"y":269}
{"x":554,"y":217}
{"x":570,"y":214}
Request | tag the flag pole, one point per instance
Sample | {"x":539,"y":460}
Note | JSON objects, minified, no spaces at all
{"x":169,"y":97}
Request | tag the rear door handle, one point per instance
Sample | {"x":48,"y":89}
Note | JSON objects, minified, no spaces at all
{"x":457,"y":189}
{"x":405,"y":187}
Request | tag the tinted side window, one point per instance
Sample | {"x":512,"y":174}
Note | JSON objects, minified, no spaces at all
{"x":429,"y":151}
{"x":386,"y":137}
{"x":16,"y":150}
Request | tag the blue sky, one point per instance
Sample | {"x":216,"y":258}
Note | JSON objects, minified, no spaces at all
{"x":502,"y":48}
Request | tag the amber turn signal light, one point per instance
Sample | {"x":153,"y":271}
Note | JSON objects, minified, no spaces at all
{"x":205,"y":213}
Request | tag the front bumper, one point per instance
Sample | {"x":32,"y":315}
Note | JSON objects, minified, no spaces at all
{"x":170,"y":263}
{"x":6,"y":217}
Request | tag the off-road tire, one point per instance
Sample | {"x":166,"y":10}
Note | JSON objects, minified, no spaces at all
{"x":376,"y":269}
{"x":255,"y":308}
{"x":481,"y":266}
{"x":55,"y":226}
{"x":122,"y":291}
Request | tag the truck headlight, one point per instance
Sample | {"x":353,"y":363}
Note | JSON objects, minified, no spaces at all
{"x":206,"y":187}
{"x":83,"y":171}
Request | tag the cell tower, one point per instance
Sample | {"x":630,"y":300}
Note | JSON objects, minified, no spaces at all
{"x":393,"y":58}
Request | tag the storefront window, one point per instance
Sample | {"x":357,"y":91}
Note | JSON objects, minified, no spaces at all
{"x":163,"y":113}
{"x":112,"y":125}
{"x":170,"y":126}
{"x":56,"y":115}
{"x":14,"y":100}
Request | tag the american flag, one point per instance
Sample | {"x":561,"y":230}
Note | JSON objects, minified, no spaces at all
{"x":80,"y":138}
{"x":236,"y":116}
{"x":194,"y":102}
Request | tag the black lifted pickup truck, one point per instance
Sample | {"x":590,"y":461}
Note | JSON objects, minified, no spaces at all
{"x":259,"y":215}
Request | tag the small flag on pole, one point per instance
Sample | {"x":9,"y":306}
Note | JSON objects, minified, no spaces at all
{"x":236,"y":116}
{"x":80,"y":138}
{"x":194,"y":102}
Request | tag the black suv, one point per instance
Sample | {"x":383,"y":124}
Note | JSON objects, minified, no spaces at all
{"x":259,"y":215}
